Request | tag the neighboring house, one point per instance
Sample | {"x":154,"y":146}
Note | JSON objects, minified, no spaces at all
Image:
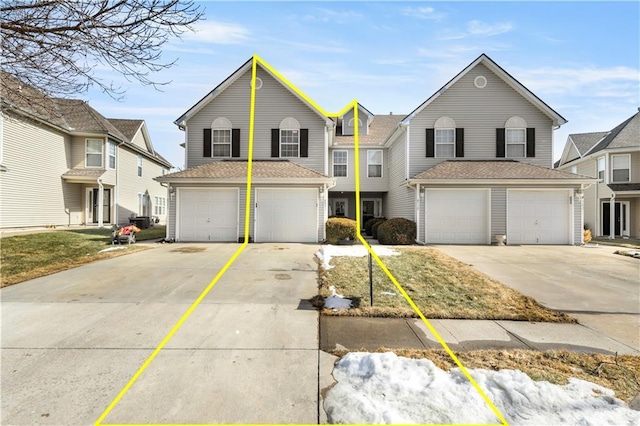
{"x":63,"y":163}
{"x":472,"y":162}
{"x":612,"y":205}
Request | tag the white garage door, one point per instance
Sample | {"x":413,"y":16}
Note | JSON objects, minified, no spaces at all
{"x":208,"y":214}
{"x":538,"y":217}
{"x":457,"y":216}
{"x":286,"y":215}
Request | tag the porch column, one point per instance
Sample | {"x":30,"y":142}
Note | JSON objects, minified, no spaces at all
{"x":100,"y":204}
{"x":612,"y":217}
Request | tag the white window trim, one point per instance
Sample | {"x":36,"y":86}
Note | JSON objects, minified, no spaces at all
{"x":604,"y":168}
{"x":281,"y":143}
{"x":139,"y":166}
{"x":214,"y":143}
{"x":86,"y":146}
{"x":115,"y":155}
{"x":381,"y":164}
{"x":507,"y":143}
{"x":436,"y":143}
{"x":628,"y":168}
{"x":340,"y":164}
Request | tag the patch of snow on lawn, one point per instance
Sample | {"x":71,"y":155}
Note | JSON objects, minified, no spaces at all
{"x":336,"y":301}
{"x":327,"y":252}
{"x":385,"y":388}
{"x":112,"y":249}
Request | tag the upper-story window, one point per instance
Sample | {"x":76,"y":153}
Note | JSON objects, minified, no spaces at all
{"x":374,"y":163}
{"x":112,"y":155}
{"x":289,"y":138}
{"x":139,"y":165}
{"x":601,"y":168}
{"x":445,"y":137}
{"x":221,"y":137}
{"x":574,"y":169}
{"x":620,"y":168}
{"x":340,"y":159}
{"x":515,"y":139}
{"x":93,"y":153}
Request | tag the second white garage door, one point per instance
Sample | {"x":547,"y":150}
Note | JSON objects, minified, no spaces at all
{"x":457,"y":216}
{"x":207,"y":214}
{"x":538,"y":217}
{"x":286,"y":215}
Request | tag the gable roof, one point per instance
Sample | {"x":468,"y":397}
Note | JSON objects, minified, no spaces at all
{"x":585,"y":141}
{"x":379,"y":130}
{"x":469,"y":170}
{"x":81,"y":117}
{"x":624,"y":135}
{"x":246,"y":67}
{"x":127,"y":127}
{"x":557,"y":119}
{"x":236,"y":171}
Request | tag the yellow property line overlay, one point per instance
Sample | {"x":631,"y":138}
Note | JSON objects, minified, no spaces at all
{"x":354,"y":104}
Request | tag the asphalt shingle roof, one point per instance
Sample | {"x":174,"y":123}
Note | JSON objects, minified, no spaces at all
{"x":380,"y":128}
{"x":624,"y":186}
{"x":624,"y":135}
{"x":585,"y":141}
{"x":500,"y":169}
{"x":237,"y":169}
{"x":84,"y":172}
{"x":129,"y":128}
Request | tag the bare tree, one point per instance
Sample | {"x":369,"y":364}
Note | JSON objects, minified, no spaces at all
{"x":56,"y":45}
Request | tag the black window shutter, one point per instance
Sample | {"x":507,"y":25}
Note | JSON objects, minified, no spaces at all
{"x":500,"y":148}
{"x":431,"y":140}
{"x":459,"y":142}
{"x":235,"y":142}
{"x":275,"y":143}
{"x":304,"y":142}
{"x":206,"y":143}
{"x":531,"y":142}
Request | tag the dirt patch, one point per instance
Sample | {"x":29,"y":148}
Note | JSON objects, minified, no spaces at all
{"x":283,"y":277}
{"x":188,"y":249}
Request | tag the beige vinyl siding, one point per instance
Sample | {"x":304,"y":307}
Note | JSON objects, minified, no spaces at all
{"x":32,"y":190}
{"x":498,"y":212}
{"x":400,"y":198}
{"x":578,"y":225}
{"x":273,"y":104}
{"x":572,"y":154}
{"x":480,"y":112}
{"x":635,"y":167}
{"x":349,"y":130}
{"x":366,"y":183}
{"x":140,"y":141}
{"x":634,"y":226}
{"x":130,"y":184}
{"x":171,"y":219}
{"x":588,"y":168}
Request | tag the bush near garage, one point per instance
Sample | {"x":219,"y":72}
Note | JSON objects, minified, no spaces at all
{"x":397,"y":231}
{"x":375,"y":226}
{"x":340,"y":228}
{"x":587,"y":236}
{"x":369,"y":224}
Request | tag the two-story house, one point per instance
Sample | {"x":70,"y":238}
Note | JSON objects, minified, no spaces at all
{"x":63,"y":163}
{"x":470,"y":163}
{"x":612,"y":205}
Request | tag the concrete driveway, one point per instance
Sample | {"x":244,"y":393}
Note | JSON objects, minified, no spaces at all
{"x":248,"y":353}
{"x":599,"y":288}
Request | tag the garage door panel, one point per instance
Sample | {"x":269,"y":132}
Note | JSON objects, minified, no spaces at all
{"x":538,"y":217}
{"x":286,"y":215}
{"x":457,"y":217}
{"x":208,"y":215}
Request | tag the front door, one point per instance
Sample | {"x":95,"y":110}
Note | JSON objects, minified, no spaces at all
{"x":620,"y":219}
{"x":106,"y":205}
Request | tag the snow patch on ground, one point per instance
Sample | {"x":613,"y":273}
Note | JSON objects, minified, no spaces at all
{"x":327,"y":252}
{"x":385,"y":388}
{"x":112,"y":249}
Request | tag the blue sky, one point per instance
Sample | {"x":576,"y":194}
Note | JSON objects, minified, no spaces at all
{"x":582,"y":58}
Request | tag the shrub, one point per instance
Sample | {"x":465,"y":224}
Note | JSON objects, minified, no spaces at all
{"x":369,"y":224}
{"x":374,"y":228}
{"x":587,"y":235}
{"x":397,"y":231}
{"x":340,"y":228}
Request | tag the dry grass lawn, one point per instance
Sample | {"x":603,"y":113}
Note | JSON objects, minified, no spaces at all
{"x":619,"y":374}
{"x":442,"y":287}
{"x":25,"y":257}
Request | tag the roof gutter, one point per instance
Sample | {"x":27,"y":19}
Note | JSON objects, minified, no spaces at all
{"x":243,"y":181}
{"x":510,"y":182}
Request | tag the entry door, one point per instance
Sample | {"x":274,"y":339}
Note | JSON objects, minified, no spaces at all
{"x":620,"y":212}
{"x":371,"y":207}
{"x":106,"y":205}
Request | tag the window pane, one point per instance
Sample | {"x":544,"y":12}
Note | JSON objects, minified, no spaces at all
{"x":94,"y":160}
{"x":94,"y":146}
{"x":221,"y":150}
{"x":444,"y":150}
{"x":340,"y":157}
{"x":514,"y":151}
{"x":374,"y":157}
{"x":444,"y":136}
{"x":515,"y":136}
{"x":340,"y":170}
{"x":621,"y":175}
{"x":375,"y":171}
{"x":620,"y":161}
{"x":289,"y":143}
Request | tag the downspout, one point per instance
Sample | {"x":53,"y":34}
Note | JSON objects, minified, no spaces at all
{"x":100,"y":203}
{"x":417,"y":210}
{"x":166,"y":230}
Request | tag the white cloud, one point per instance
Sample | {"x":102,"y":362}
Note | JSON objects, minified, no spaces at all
{"x":328,"y":15}
{"x":426,"y":12}
{"x":477,"y":28}
{"x":214,"y":32}
{"x":329,"y":47}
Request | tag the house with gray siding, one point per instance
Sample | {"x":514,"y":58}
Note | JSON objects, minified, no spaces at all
{"x":470,"y":165}
{"x":612,"y":203}
{"x":62,"y":163}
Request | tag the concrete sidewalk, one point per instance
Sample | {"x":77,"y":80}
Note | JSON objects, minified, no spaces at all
{"x":355,"y":333}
